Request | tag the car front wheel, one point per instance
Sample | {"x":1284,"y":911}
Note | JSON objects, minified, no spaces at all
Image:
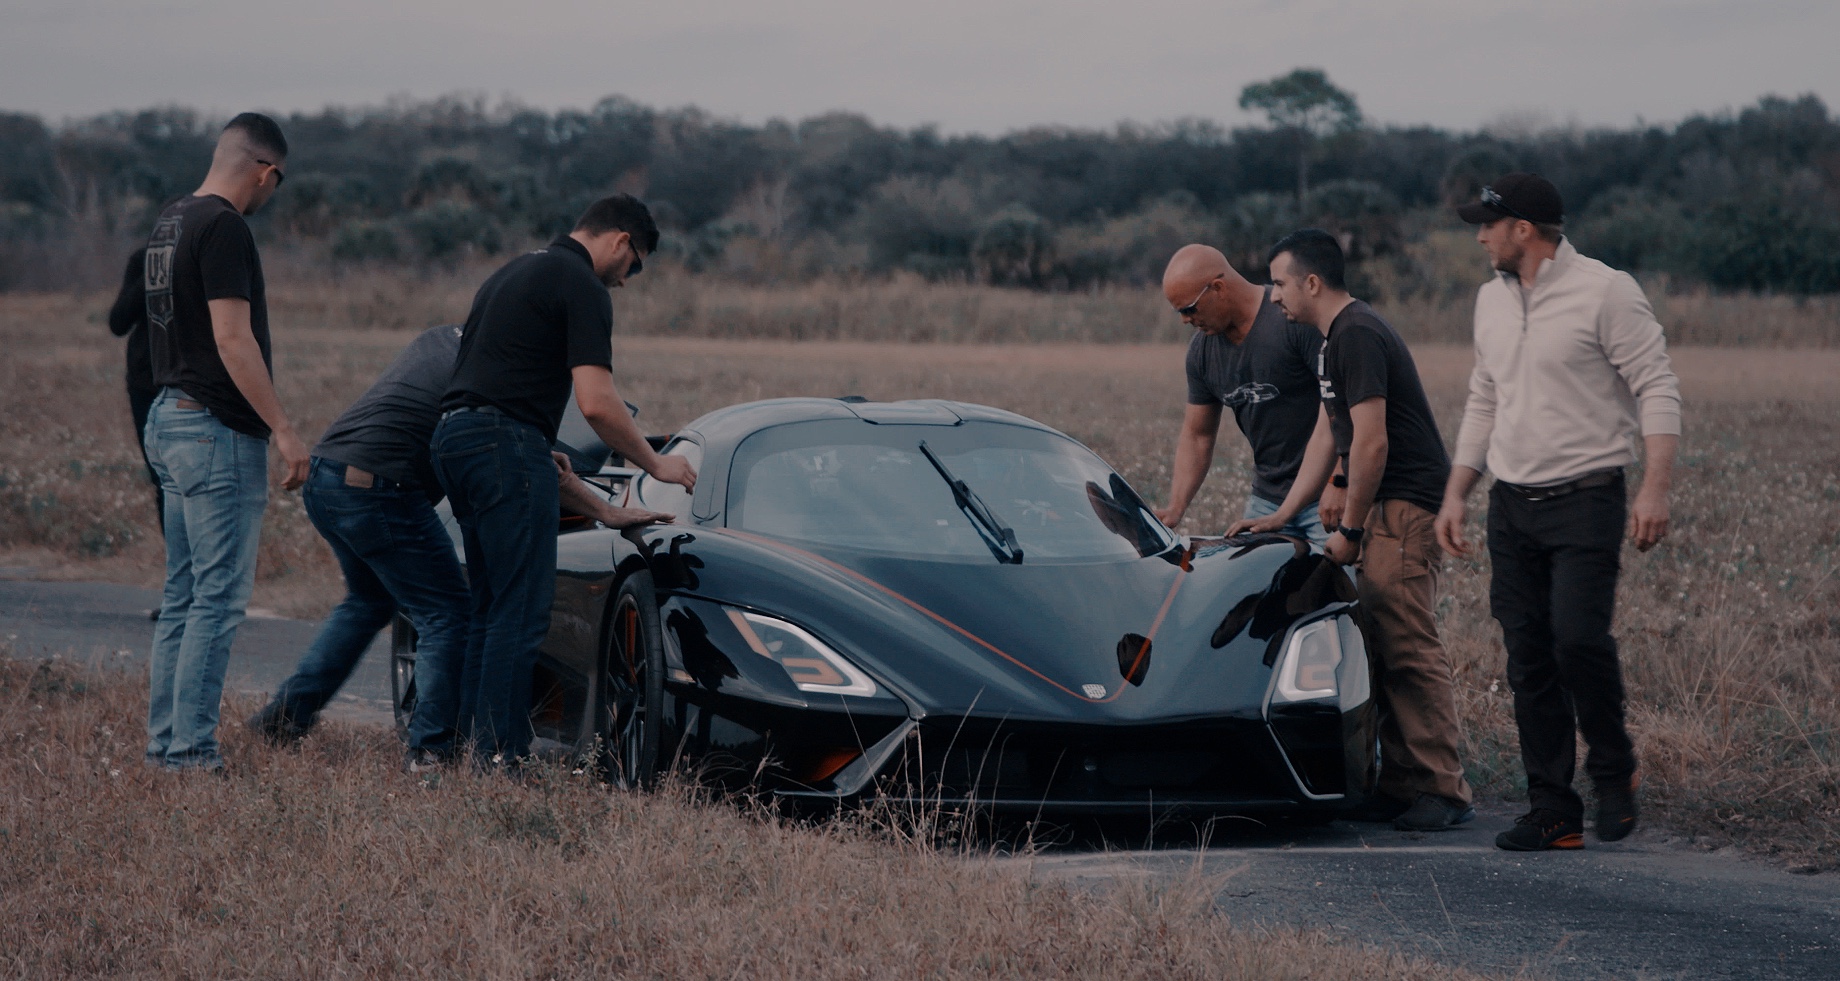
{"x":402,"y":672}
{"x":622,"y":730}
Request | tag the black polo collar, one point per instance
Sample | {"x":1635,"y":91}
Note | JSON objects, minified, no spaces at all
{"x":565,"y":242}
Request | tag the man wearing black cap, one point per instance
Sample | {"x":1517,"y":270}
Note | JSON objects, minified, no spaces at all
{"x":539,"y":325}
{"x":1570,"y":367}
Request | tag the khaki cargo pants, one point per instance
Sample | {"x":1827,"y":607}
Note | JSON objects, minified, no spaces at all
{"x":1398,"y":574}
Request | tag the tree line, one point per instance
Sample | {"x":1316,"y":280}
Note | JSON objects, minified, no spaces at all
{"x":1735,"y":200}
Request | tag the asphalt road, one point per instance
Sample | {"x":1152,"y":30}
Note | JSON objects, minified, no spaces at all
{"x":1648,"y":907}
{"x":1645,"y":907}
{"x":106,"y":625}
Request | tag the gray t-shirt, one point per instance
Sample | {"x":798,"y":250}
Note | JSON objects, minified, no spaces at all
{"x":387,"y":430}
{"x":1269,"y":381}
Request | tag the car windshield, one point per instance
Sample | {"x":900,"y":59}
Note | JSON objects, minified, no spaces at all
{"x":853,"y":484}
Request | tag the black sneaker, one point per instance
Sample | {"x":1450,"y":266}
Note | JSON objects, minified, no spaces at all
{"x":1541,"y":829}
{"x":274,"y":725}
{"x":1433,"y":813}
{"x":1377,"y":809}
{"x":1616,"y":810}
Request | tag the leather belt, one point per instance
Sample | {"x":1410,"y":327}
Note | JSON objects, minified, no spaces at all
{"x":1602,"y":478}
{"x":488,"y":409}
{"x":181,"y":399}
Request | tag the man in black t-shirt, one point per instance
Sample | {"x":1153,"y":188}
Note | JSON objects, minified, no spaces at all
{"x":1376,"y":422}
{"x":539,"y":325}
{"x":208,"y":431}
{"x":1246,"y":356}
{"x":128,"y":318}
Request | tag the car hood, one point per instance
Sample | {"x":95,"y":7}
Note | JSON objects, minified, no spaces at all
{"x":1186,"y":635}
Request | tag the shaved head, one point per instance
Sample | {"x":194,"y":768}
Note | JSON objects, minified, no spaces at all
{"x":246,"y":165}
{"x":1195,"y":266}
{"x":1209,"y":293}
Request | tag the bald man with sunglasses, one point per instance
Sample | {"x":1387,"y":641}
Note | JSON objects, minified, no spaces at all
{"x":1246,"y":356}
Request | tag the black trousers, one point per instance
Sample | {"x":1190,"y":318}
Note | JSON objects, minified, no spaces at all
{"x":140,"y":402}
{"x":1553,"y":592}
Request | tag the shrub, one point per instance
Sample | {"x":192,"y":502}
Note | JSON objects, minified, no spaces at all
{"x":362,"y":241}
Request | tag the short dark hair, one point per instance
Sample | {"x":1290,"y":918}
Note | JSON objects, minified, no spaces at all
{"x":262,"y":132}
{"x":621,"y":213}
{"x":1551,"y":231}
{"x":1314,"y":251}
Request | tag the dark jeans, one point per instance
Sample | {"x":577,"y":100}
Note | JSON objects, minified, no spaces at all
{"x":502,"y":483}
{"x":395,"y":555}
{"x":1554,"y":591}
{"x":140,"y":403}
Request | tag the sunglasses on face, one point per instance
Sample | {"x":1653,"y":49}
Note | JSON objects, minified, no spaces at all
{"x":638,"y":263}
{"x":280,"y":176}
{"x":1189,"y":311}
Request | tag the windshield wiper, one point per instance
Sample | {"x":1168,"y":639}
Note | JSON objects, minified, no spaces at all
{"x":997,"y":535}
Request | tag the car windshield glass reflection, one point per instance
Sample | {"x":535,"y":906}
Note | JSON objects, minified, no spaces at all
{"x":850,"y":484}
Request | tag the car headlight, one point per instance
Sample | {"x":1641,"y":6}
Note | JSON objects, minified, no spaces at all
{"x":1311,"y":663}
{"x":808,"y":661}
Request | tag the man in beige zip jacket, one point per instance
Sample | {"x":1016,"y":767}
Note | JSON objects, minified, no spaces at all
{"x":1570,"y":366}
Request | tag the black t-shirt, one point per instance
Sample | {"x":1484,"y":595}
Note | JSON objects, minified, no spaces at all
{"x":128,"y":318}
{"x":387,"y":430}
{"x":541,"y":315}
{"x":1269,"y":381}
{"x":1363,"y":359}
{"x":200,"y":251}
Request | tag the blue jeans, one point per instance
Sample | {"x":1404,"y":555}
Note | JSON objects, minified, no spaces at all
{"x":1306,"y":525}
{"x":215,"y":483}
{"x":502,"y":483}
{"x":394,"y":554}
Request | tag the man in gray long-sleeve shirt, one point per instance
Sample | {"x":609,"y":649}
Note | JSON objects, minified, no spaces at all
{"x":1570,"y":366}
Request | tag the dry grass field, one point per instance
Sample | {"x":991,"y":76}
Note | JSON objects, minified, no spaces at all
{"x":328,"y":863}
{"x":1729,"y":628}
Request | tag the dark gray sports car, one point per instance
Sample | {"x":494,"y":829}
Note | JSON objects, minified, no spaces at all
{"x":934,"y":602}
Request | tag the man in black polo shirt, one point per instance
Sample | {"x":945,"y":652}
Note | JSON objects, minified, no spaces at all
{"x":1378,"y":423}
{"x":541,"y":323}
{"x":371,"y":495}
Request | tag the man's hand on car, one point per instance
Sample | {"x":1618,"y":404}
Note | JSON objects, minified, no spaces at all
{"x":621,"y":519}
{"x":1257,"y":526}
{"x":1170,"y":516}
{"x":675,"y":470}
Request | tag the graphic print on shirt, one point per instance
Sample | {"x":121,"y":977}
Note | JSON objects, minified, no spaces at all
{"x":160,"y":248}
{"x":1250,"y":393}
{"x":1323,"y":384}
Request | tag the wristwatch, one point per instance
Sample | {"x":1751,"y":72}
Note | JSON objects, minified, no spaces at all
{"x":1352,"y":534}
{"x":1339,"y":480}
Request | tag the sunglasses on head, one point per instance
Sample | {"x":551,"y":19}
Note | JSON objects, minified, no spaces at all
{"x":1493,"y":200}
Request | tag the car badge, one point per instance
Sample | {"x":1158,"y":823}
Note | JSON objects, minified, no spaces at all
{"x":1093,"y":691}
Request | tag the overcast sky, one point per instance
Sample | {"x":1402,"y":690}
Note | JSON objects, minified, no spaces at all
{"x":964,"y":65}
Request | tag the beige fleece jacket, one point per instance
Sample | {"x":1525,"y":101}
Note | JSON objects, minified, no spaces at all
{"x":1567,"y":373}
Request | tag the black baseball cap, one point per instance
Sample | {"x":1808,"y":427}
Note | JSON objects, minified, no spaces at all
{"x":1528,"y":197}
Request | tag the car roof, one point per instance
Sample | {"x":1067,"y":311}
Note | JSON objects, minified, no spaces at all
{"x":729,"y":426}
{"x":720,"y":432}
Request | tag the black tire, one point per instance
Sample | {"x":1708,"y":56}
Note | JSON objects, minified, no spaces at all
{"x":622,"y":730}
{"x":402,"y":672}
